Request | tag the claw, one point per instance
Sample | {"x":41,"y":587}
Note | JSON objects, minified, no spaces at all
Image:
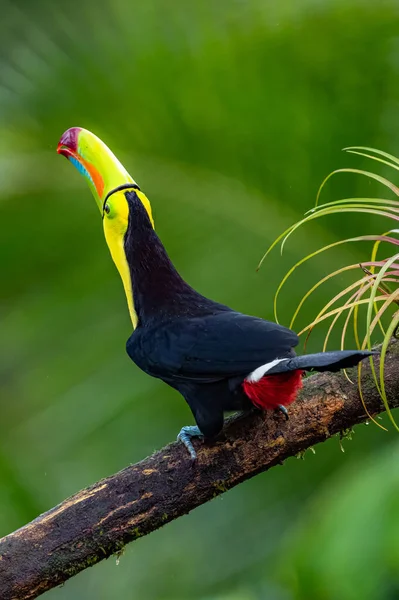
{"x":283,"y":410}
{"x":185,"y":435}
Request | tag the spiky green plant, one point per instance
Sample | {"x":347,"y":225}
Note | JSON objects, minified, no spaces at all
{"x":377,"y":287}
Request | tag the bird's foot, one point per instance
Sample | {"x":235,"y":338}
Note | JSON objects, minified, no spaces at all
{"x":283,"y":410}
{"x":185,"y":435}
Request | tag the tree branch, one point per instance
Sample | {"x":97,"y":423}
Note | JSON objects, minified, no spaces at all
{"x":99,"y":520}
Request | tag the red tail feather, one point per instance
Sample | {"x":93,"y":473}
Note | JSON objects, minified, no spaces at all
{"x":272,"y":390}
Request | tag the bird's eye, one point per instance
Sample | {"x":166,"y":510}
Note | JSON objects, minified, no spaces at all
{"x":107,"y":209}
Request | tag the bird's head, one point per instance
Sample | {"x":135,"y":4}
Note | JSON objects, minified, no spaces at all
{"x":109,"y":182}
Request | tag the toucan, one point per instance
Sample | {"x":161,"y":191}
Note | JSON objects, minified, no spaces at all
{"x":220,"y":360}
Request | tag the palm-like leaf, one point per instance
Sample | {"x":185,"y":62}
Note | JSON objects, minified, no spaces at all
{"x":383,"y":275}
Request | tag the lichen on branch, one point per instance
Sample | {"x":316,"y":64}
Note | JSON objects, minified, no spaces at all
{"x":101,"y":519}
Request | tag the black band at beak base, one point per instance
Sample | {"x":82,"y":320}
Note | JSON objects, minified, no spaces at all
{"x":124,"y":186}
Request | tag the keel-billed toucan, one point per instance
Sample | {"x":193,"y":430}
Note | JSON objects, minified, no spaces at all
{"x":220,"y":360}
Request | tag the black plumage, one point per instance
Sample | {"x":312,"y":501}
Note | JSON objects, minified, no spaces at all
{"x":201,"y":348}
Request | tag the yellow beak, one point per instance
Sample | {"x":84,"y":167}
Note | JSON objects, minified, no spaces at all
{"x":95,"y":161}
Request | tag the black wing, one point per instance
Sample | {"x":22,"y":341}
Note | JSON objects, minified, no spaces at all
{"x":210,"y":348}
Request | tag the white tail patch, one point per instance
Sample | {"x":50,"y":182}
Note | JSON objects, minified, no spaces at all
{"x":262,"y":370}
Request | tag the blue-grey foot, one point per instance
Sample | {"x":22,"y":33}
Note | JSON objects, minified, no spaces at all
{"x":283,"y":410}
{"x":185,"y":436}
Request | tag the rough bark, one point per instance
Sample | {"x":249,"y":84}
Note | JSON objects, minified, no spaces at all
{"x":99,"y":520}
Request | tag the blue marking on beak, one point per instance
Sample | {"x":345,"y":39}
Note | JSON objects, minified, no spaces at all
{"x":81,"y":168}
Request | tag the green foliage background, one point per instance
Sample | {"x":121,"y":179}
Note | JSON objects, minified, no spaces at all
{"x":229,"y":115}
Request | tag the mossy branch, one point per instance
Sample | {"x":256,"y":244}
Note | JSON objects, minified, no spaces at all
{"x":99,"y":520}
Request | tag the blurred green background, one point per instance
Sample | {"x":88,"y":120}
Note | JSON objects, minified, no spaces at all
{"x":229,"y":114}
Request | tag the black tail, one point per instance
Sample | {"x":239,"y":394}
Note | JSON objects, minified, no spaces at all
{"x":322,"y":361}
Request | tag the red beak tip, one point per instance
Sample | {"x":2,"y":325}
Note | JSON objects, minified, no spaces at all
{"x":69,"y":139}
